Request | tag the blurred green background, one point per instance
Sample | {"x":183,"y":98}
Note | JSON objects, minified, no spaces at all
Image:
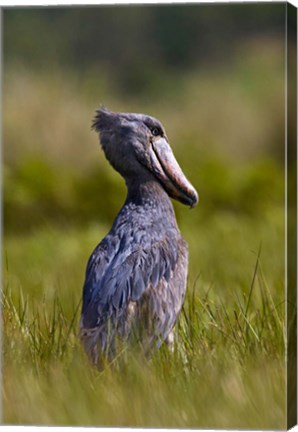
{"x":214,"y":75}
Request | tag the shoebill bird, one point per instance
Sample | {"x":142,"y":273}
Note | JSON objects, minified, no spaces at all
{"x":136,"y":277}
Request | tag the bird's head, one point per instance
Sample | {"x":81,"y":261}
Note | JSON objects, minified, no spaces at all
{"x":135,"y":145}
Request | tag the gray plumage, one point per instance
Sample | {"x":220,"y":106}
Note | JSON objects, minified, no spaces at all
{"x":136,"y":277}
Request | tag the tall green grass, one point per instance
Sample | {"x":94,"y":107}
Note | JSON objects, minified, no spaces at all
{"x":227,"y":369}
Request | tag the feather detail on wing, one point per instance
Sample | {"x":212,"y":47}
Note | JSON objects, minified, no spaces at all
{"x":115,"y":279}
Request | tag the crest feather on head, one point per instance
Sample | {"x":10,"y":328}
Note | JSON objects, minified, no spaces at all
{"x":103,"y":119}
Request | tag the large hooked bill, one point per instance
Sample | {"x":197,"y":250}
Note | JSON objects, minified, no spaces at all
{"x":167,"y":170}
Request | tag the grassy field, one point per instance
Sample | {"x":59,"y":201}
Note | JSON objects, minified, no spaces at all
{"x":228,"y":367}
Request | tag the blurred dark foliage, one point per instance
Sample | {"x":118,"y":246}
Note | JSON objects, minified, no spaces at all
{"x":136,"y":43}
{"x":38,"y":193}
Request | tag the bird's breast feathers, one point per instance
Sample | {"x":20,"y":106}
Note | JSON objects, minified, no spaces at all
{"x":122,"y":270}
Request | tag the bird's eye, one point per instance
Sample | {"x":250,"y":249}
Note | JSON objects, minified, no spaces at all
{"x":155,"y":131}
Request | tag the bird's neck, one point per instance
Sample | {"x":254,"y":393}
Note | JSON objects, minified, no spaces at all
{"x":148,"y":193}
{"x":147,"y":204}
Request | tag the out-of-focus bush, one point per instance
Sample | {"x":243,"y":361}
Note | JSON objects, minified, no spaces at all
{"x":37,"y":192}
